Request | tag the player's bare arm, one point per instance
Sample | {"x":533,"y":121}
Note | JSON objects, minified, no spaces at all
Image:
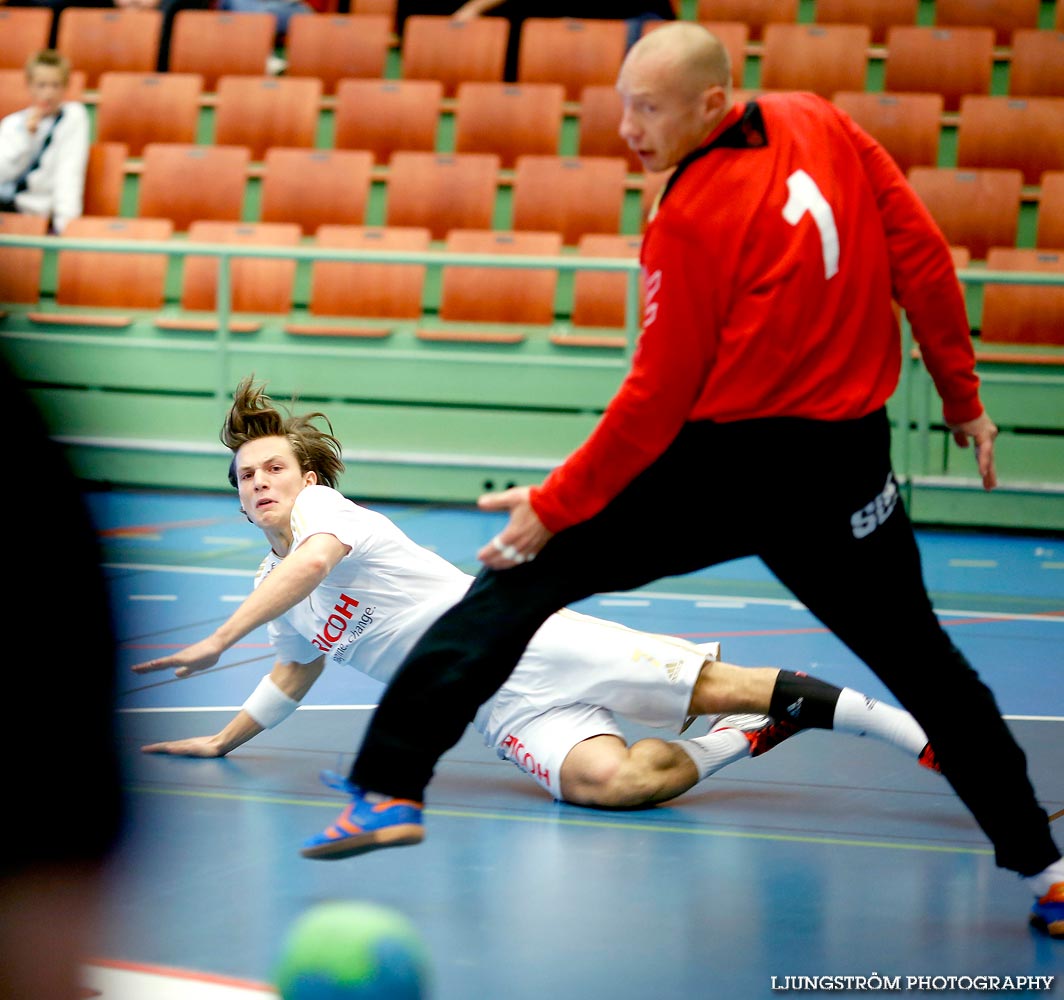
{"x":293,"y":679}
{"x":291,"y":582}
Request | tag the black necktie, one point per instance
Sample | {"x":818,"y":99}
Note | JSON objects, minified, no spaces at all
{"x":21,"y":180}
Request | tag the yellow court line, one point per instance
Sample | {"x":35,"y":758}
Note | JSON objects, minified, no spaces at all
{"x":626,"y":825}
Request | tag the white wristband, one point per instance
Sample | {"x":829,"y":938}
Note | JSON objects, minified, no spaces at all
{"x":268,"y":705}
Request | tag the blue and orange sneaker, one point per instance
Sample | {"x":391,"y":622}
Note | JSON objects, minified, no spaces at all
{"x":1047,"y":914}
{"x":364,"y":826}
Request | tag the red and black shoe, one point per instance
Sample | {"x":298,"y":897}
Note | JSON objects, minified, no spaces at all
{"x":761,"y":731}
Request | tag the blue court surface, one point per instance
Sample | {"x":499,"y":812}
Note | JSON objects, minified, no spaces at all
{"x":832,"y":856}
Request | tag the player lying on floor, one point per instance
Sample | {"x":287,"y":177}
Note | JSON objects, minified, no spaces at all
{"x":343,"y":584}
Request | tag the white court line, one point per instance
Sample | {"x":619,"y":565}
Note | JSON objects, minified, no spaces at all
{"x":236,"y":708}
{"x":133,"y":981}
{"x":198,"y":570}
{"x":153,"y":597}
{"x":648,"y":595}
{"x":222,"y":540}
{"x":974,"y":563}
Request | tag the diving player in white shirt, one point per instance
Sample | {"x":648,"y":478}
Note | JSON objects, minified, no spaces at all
{"x":343,"y":584}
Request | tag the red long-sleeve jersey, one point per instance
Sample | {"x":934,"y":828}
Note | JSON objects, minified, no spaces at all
{"x":770,"y":271}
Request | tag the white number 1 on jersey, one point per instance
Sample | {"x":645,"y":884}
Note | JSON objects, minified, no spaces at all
{"x":804,"y":196}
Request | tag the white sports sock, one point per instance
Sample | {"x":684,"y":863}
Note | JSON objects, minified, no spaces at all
{"x":715,"y":750}
{"x":860,"y":715}
{"x":1042,"y":882}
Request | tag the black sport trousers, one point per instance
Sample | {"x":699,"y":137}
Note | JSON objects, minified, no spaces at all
{"x":817,"y":501}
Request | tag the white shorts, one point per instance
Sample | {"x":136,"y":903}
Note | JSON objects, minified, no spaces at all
{"x":577,"y":673}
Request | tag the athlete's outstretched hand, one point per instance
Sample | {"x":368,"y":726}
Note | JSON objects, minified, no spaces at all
{"x":981,"y":431}
{"x":193,"y":746}
{"x":190,"y":660}
{"x":523,"y":536}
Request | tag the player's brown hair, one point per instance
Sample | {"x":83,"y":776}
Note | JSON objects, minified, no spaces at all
{"x":254,"y":415}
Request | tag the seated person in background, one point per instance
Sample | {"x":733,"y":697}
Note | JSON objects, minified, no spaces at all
{"x":44,"y":148}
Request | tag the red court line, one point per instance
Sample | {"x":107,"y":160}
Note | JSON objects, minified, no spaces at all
{"x":175,"y":973}
{"x":154,"y":529}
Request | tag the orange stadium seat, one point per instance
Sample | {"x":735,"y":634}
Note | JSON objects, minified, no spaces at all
{"x":184,"y":183}
{"x":217,"y":43}
{"x":264,"y":111}
{"x":373,"y":290}
{"x":1023,"y":314}
{"x":383,"y":116}
{"x":257,"y":284}
{"x":569,"y":195}
{"x":138,"y":108}
{"x":23,"y":31}
{"x":878,"y":15}
{"x":1037,"y":65}
{"x":312,"y":187}
{"x":441,"y":191}
{"x":333,"y":47}
{"x":975,"y":209}
{"x":102,"y":280}
{"x":105,"y":177}
{"x":435,"y":47}
{"x":1025,"y":133}
{"x":1004,"y":16}
{"x":599,"y":297}
{"x":908,"y":125}
{"x":509,"y":119}
{"x":20,"y":267}
{"x":756,"y":14}
{"x":98,"y":39}
{"x":1049,"y":234}
{"x":386,"y":7}
{"x":823,"y":58}
{"x":952,"y":62}
{"x":574,"y":52}
{"x":519,"y":296}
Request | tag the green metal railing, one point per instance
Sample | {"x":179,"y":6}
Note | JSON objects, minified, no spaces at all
{"x":912,"y":404}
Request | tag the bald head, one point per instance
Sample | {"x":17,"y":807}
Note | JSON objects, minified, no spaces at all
{"x":688,"y":52}
{"x":675,"y":84}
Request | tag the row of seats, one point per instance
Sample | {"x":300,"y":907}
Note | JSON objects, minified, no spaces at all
{"x":511,"y":120}
{"x":344,"y":290}
{"x":976,"y":208}
{"x":365,"y":299}
{"x":1005,"y":17}
{"x":573,"y":53}
{"x":440,"y":191}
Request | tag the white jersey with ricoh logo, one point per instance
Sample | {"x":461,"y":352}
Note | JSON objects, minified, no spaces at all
{"x":576,"y":672}
{"x":378,"y":600}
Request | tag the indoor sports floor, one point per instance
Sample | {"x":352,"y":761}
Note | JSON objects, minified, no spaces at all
{"x":831,"y":856}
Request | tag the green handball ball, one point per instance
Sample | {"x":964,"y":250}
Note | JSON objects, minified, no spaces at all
{"x":353,"y":951}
